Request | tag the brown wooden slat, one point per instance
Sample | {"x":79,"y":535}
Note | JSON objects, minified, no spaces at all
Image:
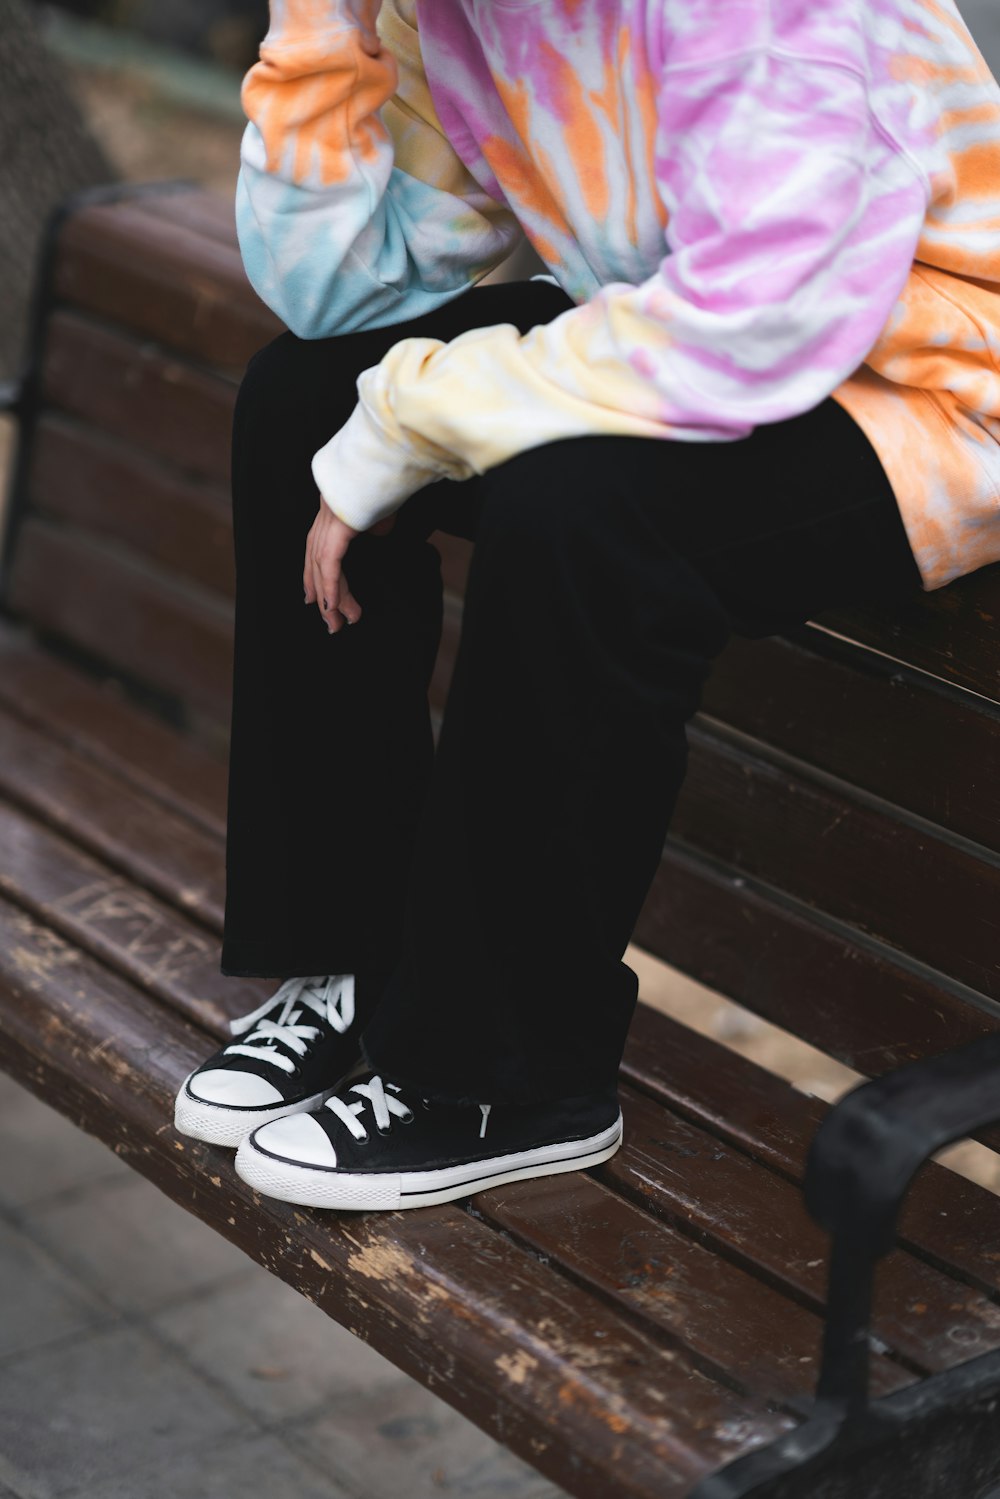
{"x":738,"y":1328}
{"x":113,"y":490}
{"x":594,"y":1402}
{"x":941,"y":903}
{"x":952,"y":632}
{"x":456,"y":554}
{"x":136,"y":836}
{"x":758,"y":1218}
{"x":155,"y":401}
{"x":160,"y":277}
{"x":869,"y":724}
{"x":169,"y":635}
{"x":445,"y":663}
{"x":95,"y":720}
{"x":198,"y":209}
{"x":149,"y":942}
{"x":859,"y":1004}
{"x":947,"y":1220}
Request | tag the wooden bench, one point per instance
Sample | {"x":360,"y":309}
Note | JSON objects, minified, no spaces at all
{"x":834,"y":865}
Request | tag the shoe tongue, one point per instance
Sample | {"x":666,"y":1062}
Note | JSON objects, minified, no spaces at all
{"x":308,"y":998}
{"x":312,"y":997}
{"x":341,"y":1002}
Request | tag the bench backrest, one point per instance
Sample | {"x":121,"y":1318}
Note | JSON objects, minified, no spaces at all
{"x":119,"y":538}
{"x":834,"y":862}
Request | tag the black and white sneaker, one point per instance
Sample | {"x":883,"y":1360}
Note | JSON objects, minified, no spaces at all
{"x":296,"y":1048}
{"x":376,"y":1145}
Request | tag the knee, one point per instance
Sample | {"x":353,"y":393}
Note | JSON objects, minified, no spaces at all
{"x":535,"y":503}
{"x":575,"y":493}
{"x":570,"y":518}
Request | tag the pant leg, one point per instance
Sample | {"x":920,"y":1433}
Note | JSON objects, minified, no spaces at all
{"x":331,"y":743}
{"x":607,"y":575}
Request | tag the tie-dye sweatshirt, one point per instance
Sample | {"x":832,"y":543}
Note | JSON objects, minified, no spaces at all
{"x":753,"y":205}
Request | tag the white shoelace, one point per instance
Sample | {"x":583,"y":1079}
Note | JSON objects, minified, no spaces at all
{"x":381,"y":1097}
{"x":331,"y":996}
{"x":383,"y":1105}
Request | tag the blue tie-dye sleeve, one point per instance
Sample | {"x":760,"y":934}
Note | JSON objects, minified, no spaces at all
{"x":352,"y":208}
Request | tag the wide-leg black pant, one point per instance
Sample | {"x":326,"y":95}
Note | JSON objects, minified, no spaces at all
{"x":486,"y":892}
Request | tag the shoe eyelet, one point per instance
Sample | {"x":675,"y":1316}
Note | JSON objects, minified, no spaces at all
{"x":407,"y":1118}
{"x":383,"y":1131}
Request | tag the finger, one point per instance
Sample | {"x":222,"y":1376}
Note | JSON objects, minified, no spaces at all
{"x":317,"y":587}
{"x":347,"y":603}
{"x":329,"y":573}
{"x":307,"y":570}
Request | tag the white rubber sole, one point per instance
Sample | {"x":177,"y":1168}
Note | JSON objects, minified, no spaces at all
{"x":316,"y":1186}
{"x":217,"y":1124}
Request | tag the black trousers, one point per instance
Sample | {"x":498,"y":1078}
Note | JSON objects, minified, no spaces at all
{"x":485,"y":893}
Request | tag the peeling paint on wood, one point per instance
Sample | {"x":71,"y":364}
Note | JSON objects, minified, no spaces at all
{"x":516,"y":1366}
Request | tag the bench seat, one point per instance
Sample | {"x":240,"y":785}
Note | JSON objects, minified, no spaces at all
{"x":665,"y":1306}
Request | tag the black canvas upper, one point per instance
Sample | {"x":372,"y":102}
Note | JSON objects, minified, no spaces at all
{"x":438,"y":1135}
{"x":327,"y":1058}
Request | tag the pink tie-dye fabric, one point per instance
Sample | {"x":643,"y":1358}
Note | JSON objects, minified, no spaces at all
{"x":753,"y":206}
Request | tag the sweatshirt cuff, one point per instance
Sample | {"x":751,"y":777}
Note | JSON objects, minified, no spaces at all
{"x":367,"y":469}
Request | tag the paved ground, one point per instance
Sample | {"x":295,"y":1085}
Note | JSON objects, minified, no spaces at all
{"x":142,"y":1356}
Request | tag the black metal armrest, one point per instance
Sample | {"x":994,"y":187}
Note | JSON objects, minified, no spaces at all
{"x":861,"y":1162}
{"x":938,"y":1435}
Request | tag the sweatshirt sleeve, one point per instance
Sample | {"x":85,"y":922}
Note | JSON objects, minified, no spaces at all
{"x":352,"y":209}
{"x":793,"y":220}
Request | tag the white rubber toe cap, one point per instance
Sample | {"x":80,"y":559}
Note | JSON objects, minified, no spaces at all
{"x":239,"y":1090}
{"x":298,"y":1137}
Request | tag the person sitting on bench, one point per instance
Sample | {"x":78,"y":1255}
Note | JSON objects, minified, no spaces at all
{"x":759,"y":381}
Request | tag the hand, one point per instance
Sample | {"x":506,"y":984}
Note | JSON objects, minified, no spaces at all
{"x":322,"y":575}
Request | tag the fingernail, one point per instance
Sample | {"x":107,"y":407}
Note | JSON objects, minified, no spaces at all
{"x":305,"y":598}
